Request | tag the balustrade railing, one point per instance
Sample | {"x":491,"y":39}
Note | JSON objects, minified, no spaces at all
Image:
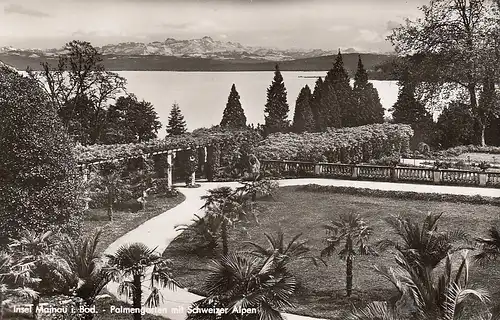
{"x":301,"y":169}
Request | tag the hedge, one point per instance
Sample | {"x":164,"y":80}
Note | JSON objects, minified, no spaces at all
{"x":346,"y":145}
{"x":406,"y":195}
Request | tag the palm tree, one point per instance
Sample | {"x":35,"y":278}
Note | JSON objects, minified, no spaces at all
{"x":226,"y":203}
{"x":236,"y":281}
{"x":294,"y":250}
{"x":441,"y":297}
{"x":133,"y":261}
{"x":14,"y":277}
{"x":83,"y":269}
{"x":37,"y":250}
{"x":422,"y":245}
{"x":354,"y":233}
{"x":490,"y":246}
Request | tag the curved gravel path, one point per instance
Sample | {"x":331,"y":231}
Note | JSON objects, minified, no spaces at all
{"x":159,"y":231}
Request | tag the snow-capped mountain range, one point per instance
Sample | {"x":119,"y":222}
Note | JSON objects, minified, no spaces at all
{"x":205,"y":47}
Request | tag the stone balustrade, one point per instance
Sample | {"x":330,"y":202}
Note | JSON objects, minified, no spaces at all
{"x":300,"y":169}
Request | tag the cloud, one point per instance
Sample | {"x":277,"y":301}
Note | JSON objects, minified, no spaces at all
{"x":370,"y":36}
{"x":19,"y":9}
{"x":338,"y":28}
{"x":391,"y":24}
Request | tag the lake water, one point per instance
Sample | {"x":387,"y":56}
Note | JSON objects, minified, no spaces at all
{"x":202,"y":96}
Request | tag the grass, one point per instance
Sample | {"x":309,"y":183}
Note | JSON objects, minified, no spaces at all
{"x":478,"y":157}
{"x":125,"y":221}
{"x":321,"y":292}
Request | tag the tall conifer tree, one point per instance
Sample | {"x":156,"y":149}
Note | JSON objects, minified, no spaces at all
{"x":303,"y":118}
{"x":276,"y":109}
{"x":367,"y":108}
{"x":234,"y":116}
{"x":176,"y":124}
{"x":316,"y":105}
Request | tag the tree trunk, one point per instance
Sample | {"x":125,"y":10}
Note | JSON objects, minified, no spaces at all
{"x":36,"y":302}
{"x":110,"y":206}
{"x":225,"y":249}
{"x":1,"y":305}
{"x":483,"y":129}
{"x":348,"y":285}
{"x":137,"y":297}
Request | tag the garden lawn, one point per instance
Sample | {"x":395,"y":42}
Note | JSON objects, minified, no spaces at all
{"x":478,"y":157}
{"x":322,"y":292}
{"x":125,"y":220}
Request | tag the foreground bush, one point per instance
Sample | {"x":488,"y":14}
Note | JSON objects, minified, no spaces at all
{"x":346,"y":145}
{"x":38,"y":187}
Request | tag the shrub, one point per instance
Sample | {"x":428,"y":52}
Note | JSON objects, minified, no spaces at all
{"x":346,"y":145}
{"x":38,"y":176}
{"x":405,"y":195}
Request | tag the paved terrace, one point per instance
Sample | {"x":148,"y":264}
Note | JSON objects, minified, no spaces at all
{"x":159,"y":231}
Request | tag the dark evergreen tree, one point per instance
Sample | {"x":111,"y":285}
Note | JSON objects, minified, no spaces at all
{"x":367,"y":108}
{"x":303,"y":118}
{"x":234,"y":116}
{"x":276,"y":109}
{"x":316,"y":105}
{"x":337,"y":103}
{"x":38,"y":174}
{"x":176,"y":124}
{"x":409,"y":110}
{"x":455,"y":126}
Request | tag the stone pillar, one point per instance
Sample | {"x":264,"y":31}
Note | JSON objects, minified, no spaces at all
{"x":483,"y":178}
{"x":436,"y":175}
{"x":169,"y":170}
{"x":355,"y":172}
{"x":85,"y":172}
{"x":192,"y":179}
{"x":394,"y":175}
{"x":318,"y":169}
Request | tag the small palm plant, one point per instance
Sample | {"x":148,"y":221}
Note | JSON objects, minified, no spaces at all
{"x":137,"y":261}
{"x":83,"y":269}
{"x":422,"y":244}
{"x":207,"y":227}
{"x":490,"y":246}
{"x":441,"y":297}
{"x":37,"y":250}
{"x":294,"y":250}
{"x":351,"y":231}
{"x":15,"y":277}
{"x":224,"y":202}
{"x":236,"y":281}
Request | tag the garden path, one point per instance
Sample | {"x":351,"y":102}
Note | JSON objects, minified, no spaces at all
{"x":159,"y":231}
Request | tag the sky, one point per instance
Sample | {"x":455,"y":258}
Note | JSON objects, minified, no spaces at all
{"x":284,"y":24}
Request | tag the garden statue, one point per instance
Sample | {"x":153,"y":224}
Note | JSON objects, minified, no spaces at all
{"x":254,"y":167}
{"x":424,"y":148}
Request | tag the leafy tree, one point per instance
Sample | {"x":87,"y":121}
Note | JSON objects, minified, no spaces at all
{"x":234,"y":116}
{"x":458,"y":50}
{"x":133,"y":261}
{"x":455,"y":126}
{"x":38,"y":176}
{"x":303,"y":119}
{"x":368,"y":108}
{"x":276,"y":109}
{"x":112,"y":184}
{"x":337,"y":103}
{"x":236,"y":281}
{"x":80,"y":85}
{"x":224,"y":203}
{"x":316,"y":106}
{"x":131,"y":121}
{"x":176,"y":124}
{"x":354,"y":233}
